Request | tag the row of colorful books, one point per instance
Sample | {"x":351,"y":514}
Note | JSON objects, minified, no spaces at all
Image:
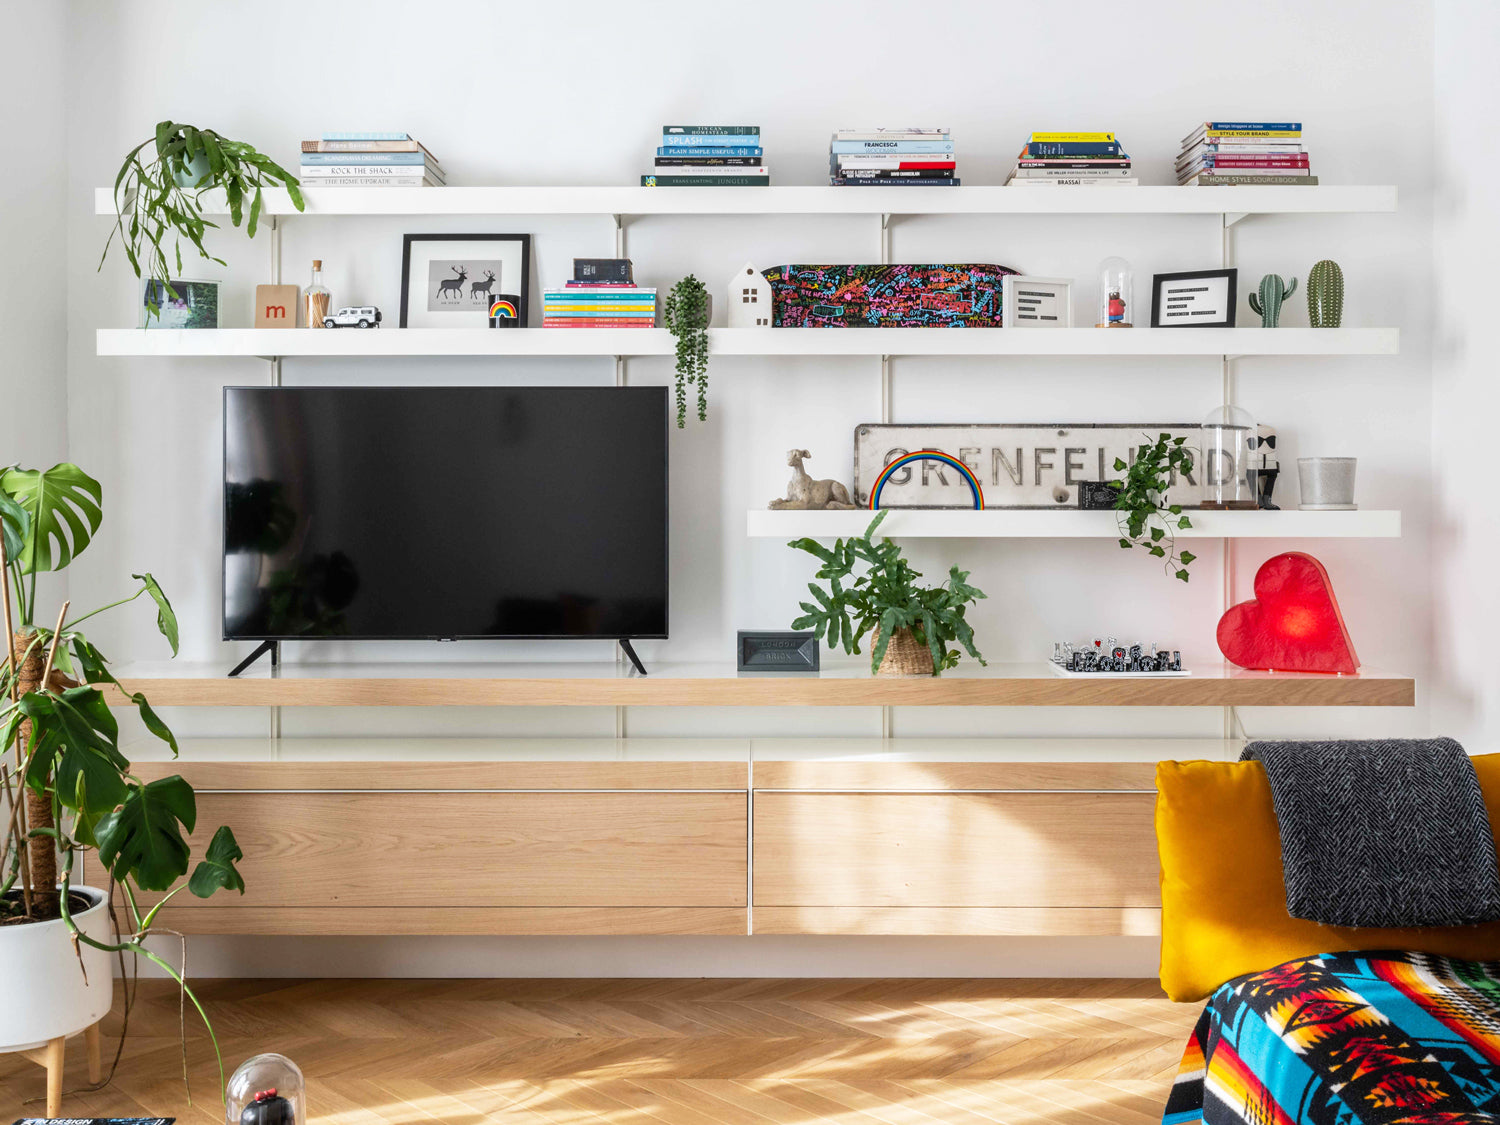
{"x":1084,"y":159}
{"x":709,"y":156}
{"x":1244,"y":152}
{"x":892,"y":158}
{"x":369,"y":160}
{"x":602,"y":294}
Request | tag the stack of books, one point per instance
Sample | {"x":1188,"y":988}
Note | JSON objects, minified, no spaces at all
{"x":888,"y":157}
{"x":1087,"y":159}
{"x":1244,"y":152}
{"x":602,"y":294}
{"x":709,"y":156}
{"x":369,"y":160}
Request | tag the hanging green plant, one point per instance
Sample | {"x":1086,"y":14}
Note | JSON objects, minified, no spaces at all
{"x":686,"y":314}
{"x":157,"y":198}
{"x":1144,"y":519}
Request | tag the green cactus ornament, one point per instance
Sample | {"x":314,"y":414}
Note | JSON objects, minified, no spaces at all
{"x":1325,"y":295}
{"x":1273,"y":291}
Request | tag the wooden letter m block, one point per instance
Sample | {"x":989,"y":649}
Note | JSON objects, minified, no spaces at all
{"x":276,"y":306}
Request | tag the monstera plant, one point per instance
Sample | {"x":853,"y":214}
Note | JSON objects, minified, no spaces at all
{"x":67,"y":787}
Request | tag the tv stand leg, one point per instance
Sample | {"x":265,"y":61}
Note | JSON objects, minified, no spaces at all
{"x":273,"y":647}
{"x":634,"y":659}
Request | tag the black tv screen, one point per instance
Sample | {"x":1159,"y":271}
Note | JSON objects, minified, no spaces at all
{"x":445,"y":512}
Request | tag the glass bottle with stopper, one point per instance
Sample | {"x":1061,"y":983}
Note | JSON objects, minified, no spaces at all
{"x":1116,"y":294}
{"x":1227,"y":469}
{"x":317,"y":301}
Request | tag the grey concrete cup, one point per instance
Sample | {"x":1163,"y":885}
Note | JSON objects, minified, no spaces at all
{"x":1327,"y":483}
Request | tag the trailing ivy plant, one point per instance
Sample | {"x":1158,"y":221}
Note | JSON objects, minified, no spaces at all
{"x":1144,"y":519}
{"x":888,"y":597}
{"x":686,"y":314}
{"x":68,"y":788}
{"x":157,"y":198}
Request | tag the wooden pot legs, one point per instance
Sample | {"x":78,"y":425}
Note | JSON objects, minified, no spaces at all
{"x":51,"y":1058}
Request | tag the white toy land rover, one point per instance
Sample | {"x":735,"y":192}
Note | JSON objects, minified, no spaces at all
{"x":367,"y":316}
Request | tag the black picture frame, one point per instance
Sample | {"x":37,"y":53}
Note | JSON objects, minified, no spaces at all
{"x":525,"y":287}
{"x":1231,"y":297}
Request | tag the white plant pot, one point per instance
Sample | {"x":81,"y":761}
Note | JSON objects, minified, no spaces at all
{"x":46,"y":996}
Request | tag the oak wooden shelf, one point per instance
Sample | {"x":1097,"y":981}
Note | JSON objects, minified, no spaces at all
{"x":709,"y":685}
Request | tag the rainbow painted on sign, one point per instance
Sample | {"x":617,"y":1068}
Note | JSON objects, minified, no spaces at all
{"x":503,"y":308}
{"x":928,"y":455}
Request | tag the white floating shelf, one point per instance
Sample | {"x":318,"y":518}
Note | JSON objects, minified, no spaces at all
{"x":997,"y":523}
{"x":976,"y":200}
{"x":747,"y":341}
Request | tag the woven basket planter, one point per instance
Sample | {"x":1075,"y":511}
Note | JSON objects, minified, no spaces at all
{"x":904,"y":656}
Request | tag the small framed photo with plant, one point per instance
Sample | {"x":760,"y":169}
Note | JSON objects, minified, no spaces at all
{"x":1036,"y":302}
{"x":179,"y":304}
{"x":450,"y":280}
{"x":1196,"y":299}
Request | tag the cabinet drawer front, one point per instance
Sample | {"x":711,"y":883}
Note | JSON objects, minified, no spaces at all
{"x":955,"y":849}
{"x":481,"y":849}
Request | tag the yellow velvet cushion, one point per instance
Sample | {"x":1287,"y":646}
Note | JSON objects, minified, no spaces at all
{"x":1223,"y":901}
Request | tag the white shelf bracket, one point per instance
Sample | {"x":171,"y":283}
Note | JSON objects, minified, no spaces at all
{"x":619,"y":371}
{"x":885,"y":388}
{"x":885,"y":240}
{"x":1232,"y":217}
{"x":619,"y":227}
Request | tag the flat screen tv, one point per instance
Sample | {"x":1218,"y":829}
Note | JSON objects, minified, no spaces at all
{"x":445,"y":513}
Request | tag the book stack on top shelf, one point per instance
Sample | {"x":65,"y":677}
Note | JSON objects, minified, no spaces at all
{"x":1087,"y":159}
{"x":1245,"y":152}
{"x":602,"y":294}
{"x":709,"y":156}
{"x":369,"y":160}
{"x":887,"y":157}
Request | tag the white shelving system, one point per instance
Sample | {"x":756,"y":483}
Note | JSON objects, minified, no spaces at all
{"x":997,"y":523}
{"x":617,"y":205}
{"x":369,"y":343}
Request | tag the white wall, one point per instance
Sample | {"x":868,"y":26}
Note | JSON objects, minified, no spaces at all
{"x":1465,"y":390}
{"x":577,"y":94}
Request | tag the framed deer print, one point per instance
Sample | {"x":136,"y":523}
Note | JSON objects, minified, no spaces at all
{"x":450,"y":280}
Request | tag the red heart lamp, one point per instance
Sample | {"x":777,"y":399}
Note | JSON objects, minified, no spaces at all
{"x":1292,"y":624}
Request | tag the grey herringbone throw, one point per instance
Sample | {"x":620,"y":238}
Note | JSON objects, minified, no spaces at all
{"x":1386,"y":832}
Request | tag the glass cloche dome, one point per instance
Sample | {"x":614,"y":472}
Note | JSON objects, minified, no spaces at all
{"x":266,"y":1090}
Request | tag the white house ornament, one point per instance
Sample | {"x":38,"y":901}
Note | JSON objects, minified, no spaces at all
{"x":749,"y":299}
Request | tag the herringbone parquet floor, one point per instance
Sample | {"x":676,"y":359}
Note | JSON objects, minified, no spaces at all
{"x":649,"y":1052}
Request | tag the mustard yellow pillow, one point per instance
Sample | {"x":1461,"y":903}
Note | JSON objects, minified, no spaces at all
{"x":1223,"y":901}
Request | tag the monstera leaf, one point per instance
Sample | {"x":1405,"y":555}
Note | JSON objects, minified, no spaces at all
{"x":74,"y":749}
{"x":16,"y":524}
{"x":216,"y":871}
{"x":142,"y":839}
{"x":63,"y":503}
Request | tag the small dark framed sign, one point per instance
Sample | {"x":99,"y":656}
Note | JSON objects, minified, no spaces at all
{"x":1198,"y":299}
{"x":774,"y":651}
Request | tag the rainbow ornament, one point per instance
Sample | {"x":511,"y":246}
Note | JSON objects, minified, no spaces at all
{"x":503,"y":308}
{"x":928,"y":455}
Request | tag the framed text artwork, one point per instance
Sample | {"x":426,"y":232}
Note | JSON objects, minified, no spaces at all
{"x":451,"y":280}
{"x":1197,"y":299}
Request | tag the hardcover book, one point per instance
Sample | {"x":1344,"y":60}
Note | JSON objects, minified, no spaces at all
{"x":705,"y":181}
{"x":715,"y":150}
{"x":711,"y":130}
{"x":877,"y":147}
{"x":696,"y":140}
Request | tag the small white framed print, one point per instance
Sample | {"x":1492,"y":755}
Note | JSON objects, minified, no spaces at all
{"x":180,"y":303}
{"x":1036,"y":302}
{"x":1197,"y":299}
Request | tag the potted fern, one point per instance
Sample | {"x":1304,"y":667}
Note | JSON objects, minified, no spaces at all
{"x":913,"y":625}
{"x":157,"y":204}
{"x":67,"y":789}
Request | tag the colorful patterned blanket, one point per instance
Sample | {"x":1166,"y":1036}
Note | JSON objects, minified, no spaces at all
{"x":1347,"y":1039}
